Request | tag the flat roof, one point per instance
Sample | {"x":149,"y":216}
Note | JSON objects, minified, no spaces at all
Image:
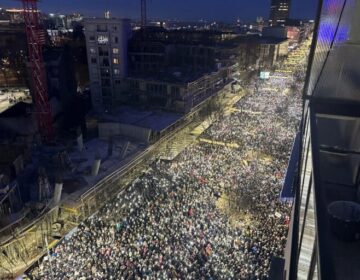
{"x":259,"y":39}
{"x":154,"y":120}
{"x":172,"y":76}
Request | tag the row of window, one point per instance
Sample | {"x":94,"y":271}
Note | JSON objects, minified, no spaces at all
{"x":104,"y":28}
{"x":105,"y":61}
{"x":104,"y":52}
{"x":105,"y":72}
{"x":102,"y":39}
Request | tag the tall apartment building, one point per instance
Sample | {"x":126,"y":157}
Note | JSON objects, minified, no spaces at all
{"x":279,"y":11}
{"x":324,"y":235}
{"x":106,"y":43}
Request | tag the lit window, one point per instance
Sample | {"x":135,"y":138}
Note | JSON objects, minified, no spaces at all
{"x":92,"y":51}
{"x":116,"y":72}
{"x":115,"y":50}
{"x":116,"y":61}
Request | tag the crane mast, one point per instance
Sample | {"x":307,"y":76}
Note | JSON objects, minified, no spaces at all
{"x":35,"y":41}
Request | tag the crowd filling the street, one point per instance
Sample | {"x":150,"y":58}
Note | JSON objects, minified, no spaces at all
{"x":176,"y":221}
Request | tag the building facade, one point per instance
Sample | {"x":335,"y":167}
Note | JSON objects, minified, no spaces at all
{"x":175,"y":70}
{"x":106,"y":43}
{"x":279,"y":11}
{"x":176,"y":93}
{"x":261,"y":53}
{"x":324,"y":236}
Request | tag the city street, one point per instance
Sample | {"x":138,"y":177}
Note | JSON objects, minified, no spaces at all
{"x":191,"y":185}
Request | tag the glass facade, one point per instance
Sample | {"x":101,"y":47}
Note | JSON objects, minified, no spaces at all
{"x":325,"y":239}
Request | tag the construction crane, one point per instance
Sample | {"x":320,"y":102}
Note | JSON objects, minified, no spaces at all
{"x":35,"y":41}
{"x":143,"y":13}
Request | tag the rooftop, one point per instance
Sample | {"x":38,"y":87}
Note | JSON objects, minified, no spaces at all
{"x":173,"y":76}
{"x":156,"y":121}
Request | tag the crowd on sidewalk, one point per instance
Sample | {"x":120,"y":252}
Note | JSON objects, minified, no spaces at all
{"x":167,"y":224}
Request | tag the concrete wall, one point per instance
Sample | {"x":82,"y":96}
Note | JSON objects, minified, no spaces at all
{"x":107,"y":129}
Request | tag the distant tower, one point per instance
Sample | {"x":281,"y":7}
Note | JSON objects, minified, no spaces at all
{"x":143,"y":13}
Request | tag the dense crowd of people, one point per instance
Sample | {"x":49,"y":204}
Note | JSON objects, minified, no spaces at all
{"x":167,"y":224}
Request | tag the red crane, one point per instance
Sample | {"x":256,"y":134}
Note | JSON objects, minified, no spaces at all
{"x":143,"y":13}
{"x":35,"y":41}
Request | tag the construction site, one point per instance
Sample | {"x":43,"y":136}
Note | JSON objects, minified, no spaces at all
{"x":48,"y":186}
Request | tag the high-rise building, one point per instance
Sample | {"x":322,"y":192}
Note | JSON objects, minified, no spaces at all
{"x":279,"y":11}
{"x":106,"y":43}
{"x":324,"y":234}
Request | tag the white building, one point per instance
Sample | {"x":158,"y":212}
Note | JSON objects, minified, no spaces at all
{"x":106,"y":43}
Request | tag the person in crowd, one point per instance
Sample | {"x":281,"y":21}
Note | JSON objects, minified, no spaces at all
{"x":167,"y":224}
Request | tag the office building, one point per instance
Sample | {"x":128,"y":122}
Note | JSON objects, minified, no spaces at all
{"x":106,"y":43}
{"x":324,"y":236}
{"x":279,"y":11}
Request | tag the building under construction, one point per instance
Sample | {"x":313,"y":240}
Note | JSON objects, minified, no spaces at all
{"x":175,"y":70}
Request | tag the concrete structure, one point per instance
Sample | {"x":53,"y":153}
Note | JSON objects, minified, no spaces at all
{"x":96,"y":166}
{"x":155,"y":50}
{"x":175,"y":70}
{"x":279,"y":11}
{"x":176,"y":92}
{"x":272,"y":50}
{"x":61,"y":81}
{"x":106,"y":43}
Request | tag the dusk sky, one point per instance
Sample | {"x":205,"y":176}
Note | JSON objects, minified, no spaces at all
{"x":227,"y":10}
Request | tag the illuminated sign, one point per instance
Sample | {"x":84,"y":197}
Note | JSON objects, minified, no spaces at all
{"x":102,"y":39}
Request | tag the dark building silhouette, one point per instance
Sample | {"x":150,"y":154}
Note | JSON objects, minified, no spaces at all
{"x":279,"y":11}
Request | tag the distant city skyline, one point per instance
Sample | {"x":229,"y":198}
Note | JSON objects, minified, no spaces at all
{"x":221,"y":10}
